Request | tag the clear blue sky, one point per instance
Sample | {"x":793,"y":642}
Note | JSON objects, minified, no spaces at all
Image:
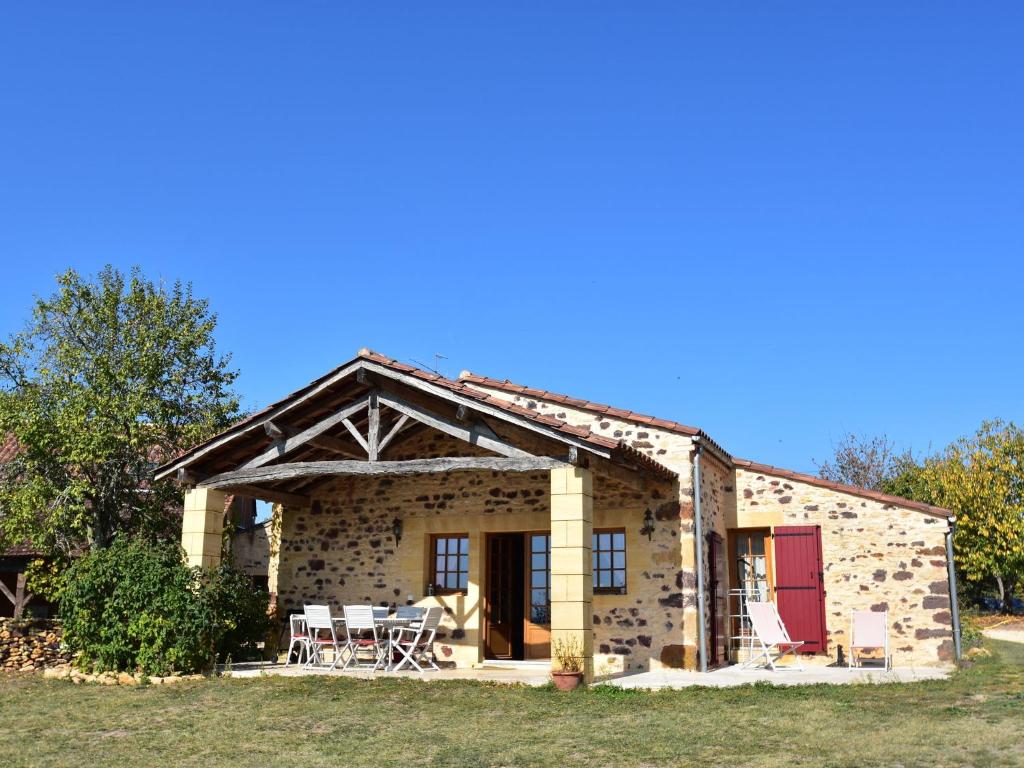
{"x":776,"y":221}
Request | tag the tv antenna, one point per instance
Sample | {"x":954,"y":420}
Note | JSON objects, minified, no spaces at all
{"x":438,"y":357}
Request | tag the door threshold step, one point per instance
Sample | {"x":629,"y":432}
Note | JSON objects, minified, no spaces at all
{"x":515,"y":664}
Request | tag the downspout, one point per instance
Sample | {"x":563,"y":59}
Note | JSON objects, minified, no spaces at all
{"x":698,"y":534}
{"x":953,"y":601}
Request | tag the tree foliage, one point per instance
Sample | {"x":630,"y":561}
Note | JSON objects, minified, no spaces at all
{"x":981,"y":478}
{"x":866,"y":462}
{"x":108,"y":377}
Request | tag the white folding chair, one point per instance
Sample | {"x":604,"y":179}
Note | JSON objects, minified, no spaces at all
{"x":318,"y":622}
{"x":299,"y":638}
{"x":869,"y":630}
{"x":381,"y":611}
{"x":770,"y":634}
{"x":359,"y":620}
{"x":415,"y":643}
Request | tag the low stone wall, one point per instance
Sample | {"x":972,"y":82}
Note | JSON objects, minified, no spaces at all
{"x":30,"y":644}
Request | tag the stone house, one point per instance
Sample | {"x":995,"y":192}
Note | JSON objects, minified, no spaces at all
{"x":534,"y":517}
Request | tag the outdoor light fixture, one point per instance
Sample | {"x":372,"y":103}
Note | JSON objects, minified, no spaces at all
{"x":396,"y":529}
{"x":648,"y":523}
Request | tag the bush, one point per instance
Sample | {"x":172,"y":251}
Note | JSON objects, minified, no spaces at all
{"x":136,"y":606}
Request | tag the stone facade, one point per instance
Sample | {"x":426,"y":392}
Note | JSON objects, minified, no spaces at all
{"x":342,"y":550}
{"x":877,"y":556}
{"x":904,"y":546}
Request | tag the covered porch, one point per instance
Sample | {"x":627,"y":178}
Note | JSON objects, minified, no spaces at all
{"x":394,"y":486}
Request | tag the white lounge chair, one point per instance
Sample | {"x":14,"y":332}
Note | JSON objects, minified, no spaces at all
{"x":359,"y":619}
{"x":415,"y":644}
{"x":869,"y":630}
{"x":318,"y":623}
{"x":299,"y":638}
{"x":770,"y":641}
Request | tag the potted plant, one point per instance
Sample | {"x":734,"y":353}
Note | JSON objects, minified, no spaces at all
{"x":569,"y":658}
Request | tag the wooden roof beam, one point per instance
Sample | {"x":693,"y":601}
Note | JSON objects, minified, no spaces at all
{"x":291,"y":443}
{"x":470,"y":433}
{"x":276,"y":473}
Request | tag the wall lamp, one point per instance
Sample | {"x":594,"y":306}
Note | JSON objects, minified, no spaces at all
{"x":648,"y":524}
{"x":396,"y":529}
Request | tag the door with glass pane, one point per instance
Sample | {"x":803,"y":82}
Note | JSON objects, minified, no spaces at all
{"x":537,"y":627}
{"x":751,"y":574}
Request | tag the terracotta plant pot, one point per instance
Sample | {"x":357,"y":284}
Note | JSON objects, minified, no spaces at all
{"x":567,"y":681}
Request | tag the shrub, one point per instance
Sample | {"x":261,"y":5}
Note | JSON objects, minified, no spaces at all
{"x":138,"y":606}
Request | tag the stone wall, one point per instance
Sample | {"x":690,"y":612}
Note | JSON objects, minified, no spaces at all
{"x":342,"y":550}
{"x":877,"y":556}
{"x":675,"y":451}
{"x":30,"y":644}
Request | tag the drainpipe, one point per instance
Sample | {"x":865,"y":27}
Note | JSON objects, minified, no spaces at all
{"x":698,"y":534}
{"x":953,"y":602}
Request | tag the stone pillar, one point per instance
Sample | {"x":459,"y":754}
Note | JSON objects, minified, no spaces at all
{"x":572,"y":586}
{"x":202,"y":527}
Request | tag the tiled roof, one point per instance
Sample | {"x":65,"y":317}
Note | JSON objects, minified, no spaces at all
{"x":461,"y":387}
{"x":683,"y":429}
{"x":464,"y":386}
{"x":589,"y":405}
{"x":21,"y":550}
{"x":853,"y":490}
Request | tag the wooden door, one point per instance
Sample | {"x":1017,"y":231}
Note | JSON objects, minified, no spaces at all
{"x":800,"y":585}
{"x":537,"y":624}
{"x":503,"y":634}
{"x":715,"y":596}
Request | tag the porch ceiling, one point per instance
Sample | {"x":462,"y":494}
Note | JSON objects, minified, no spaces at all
{"x":363,"y":413}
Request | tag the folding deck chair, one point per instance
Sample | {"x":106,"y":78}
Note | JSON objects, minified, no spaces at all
{"x":869,"y":630}
{"x":414,"y":643}
{"x":769,"y":633}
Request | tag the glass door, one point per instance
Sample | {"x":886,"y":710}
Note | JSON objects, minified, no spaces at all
{"x":537,"y":630}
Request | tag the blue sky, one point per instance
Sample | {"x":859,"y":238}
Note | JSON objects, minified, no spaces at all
{"x":779,"y":222}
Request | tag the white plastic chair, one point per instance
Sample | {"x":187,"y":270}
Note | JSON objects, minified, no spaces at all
{"x":299,"y":638}
{"x":359,"y":619}
{"x":770,"y":634}
{"x":415,"y":644}
{"x":869,"y":630}
{"x":318,"y":621}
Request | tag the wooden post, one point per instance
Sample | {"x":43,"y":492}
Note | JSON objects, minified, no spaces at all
{"x":572,"y":587}
{"x":202,"y":526}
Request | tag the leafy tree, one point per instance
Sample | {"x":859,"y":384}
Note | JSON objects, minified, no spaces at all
{"x":866,"y":462}
{"x":110,"y":376}
{"x":981,"y":478}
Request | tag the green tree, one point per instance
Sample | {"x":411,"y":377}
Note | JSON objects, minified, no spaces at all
{"x":981,"y":478}
{"x":110,"y":376}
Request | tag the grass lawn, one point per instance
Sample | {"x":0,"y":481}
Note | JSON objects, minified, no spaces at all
{"x":974,"y":719}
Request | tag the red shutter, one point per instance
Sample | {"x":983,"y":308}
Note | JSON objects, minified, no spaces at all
{"x":800,"y":584}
